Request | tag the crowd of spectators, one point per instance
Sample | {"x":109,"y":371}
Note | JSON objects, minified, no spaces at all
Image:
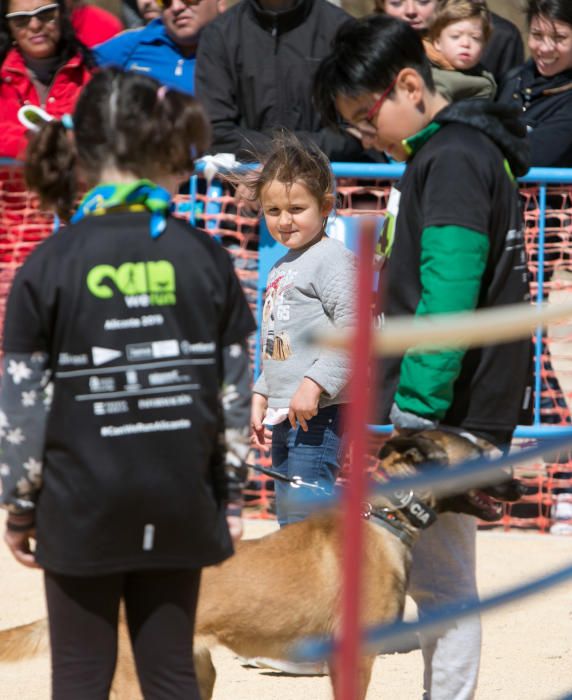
{"x":254,"y":66}
{"x":255,"y":69}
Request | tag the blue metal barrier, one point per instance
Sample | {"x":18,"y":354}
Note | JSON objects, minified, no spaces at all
{"x":270,"y":251}
{"x":540,"y":176}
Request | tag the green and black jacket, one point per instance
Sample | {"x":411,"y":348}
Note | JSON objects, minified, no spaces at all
{"x":458,"y":245}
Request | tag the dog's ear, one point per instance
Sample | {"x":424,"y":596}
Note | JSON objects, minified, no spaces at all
{"x":415,"y":449}
{"x":393,"y":445}
{"x":404,"y":449}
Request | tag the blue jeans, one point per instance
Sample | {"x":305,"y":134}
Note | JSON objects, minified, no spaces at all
{"x":313,"y":456}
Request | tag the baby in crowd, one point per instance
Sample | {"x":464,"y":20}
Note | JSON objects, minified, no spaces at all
{"x":455,"y":42}
{"x":301,"y":389}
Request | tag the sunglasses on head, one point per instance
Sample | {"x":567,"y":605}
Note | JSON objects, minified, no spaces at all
{"x":44,"y":14}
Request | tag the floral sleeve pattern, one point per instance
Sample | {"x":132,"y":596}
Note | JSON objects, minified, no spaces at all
{"x":235,"y":399}
{"x":25,"y":397}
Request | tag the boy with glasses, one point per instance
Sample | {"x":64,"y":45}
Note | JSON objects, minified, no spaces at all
{"x":457,"y":245}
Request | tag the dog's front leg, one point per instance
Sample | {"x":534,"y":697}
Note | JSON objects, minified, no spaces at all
{"x":204,"y":668}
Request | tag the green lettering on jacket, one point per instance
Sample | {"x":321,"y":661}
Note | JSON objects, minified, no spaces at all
{"x":149,"y":283}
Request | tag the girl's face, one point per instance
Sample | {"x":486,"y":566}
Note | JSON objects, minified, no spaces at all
{"x":550,"y":44}
{"x":462,"y":43}
{"x":37,"y":35}
{"x":293,"y":215}
{"x":417,"y":13}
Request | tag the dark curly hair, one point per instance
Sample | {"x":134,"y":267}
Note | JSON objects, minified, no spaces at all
{"x":69,"y":44}
{"x":125,"y":120}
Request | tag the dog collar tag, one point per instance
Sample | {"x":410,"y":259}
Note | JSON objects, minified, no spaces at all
{"x":420,"y":514}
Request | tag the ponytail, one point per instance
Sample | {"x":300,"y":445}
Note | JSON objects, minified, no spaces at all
{"x":50,"y":168}
{"x":125,"y":120}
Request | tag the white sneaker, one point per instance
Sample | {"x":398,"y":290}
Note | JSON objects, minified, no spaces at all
{"x":562,"y":508}
{"x":292,"y":668}
{"x":561,"y":528}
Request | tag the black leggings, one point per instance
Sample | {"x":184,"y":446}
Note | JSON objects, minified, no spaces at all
{"x":83,"y":614}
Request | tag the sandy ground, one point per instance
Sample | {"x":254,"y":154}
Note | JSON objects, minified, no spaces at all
{"x":527,"y":647}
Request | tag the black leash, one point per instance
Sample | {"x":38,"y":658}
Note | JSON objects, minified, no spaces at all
{"x":294,"y":481}
{"x":418,"y":513}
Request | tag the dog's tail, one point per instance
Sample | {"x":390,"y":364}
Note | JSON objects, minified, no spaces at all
{"x":25,"y":641}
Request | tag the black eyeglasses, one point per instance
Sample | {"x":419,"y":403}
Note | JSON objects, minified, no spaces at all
{"x":44,"y":14}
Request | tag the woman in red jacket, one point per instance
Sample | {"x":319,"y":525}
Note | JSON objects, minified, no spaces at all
{"x":42,"y":62}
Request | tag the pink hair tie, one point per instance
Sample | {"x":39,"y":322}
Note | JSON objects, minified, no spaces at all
{"x":161,"y":92}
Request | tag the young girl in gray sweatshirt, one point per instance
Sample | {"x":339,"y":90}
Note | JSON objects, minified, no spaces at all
{"x":301,"y":389}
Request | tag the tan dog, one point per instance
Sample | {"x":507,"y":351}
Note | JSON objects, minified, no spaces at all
{"x":287,"y":585}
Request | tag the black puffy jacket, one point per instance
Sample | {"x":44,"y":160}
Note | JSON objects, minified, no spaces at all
{"x":254,"y":73}
{"x":546,"y":105}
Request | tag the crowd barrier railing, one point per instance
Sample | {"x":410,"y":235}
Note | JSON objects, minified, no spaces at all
{"x":363,"y":188}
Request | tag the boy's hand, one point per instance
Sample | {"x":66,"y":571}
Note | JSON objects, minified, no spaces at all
{"x":304,"y":403}
{"x":19,"y":544}
{"x":260,"y":434}
{"x":235,"y":527}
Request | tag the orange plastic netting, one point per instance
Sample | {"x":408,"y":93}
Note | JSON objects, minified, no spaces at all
{"x":23,"y":225}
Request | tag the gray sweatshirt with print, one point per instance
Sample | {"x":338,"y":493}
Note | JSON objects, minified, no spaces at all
{"x":307,"y":291}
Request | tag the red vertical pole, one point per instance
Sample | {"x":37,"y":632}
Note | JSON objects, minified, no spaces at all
{"x":357,"y":416}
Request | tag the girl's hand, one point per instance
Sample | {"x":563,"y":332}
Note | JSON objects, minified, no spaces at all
{"x":304,"y":403}
{"x":260,"y":433}
{"x":235,"y":527}
{"x":19,"y":544}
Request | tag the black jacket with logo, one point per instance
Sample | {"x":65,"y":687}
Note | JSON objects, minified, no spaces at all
{"x":254,"y":73}
{"x":546,"y":105}
{"x":133,"y":327}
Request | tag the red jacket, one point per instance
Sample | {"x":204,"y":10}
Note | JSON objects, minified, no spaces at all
{"x":93,"y":25}
{"x":16,"y":89}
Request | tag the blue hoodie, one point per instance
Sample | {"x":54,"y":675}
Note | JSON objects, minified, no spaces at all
{"x":151,"y":51}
